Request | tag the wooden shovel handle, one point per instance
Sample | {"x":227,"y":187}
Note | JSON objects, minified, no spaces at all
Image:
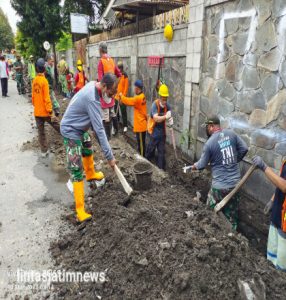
{"x":226,"y":199}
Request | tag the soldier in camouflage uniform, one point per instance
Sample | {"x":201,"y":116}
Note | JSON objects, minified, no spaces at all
{"x":83,"y":113}
{"x":62,"y":69}
{"x":18,"y":66}
{"x":76,"y":149}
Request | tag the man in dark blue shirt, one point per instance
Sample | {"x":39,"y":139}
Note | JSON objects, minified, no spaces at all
{"x":276,"y":246}
{"x":160,"y":112}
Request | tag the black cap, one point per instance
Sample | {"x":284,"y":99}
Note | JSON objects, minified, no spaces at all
{"x":213,"y":120}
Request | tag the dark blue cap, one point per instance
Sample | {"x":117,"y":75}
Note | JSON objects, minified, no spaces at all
{"x":138,"y":83}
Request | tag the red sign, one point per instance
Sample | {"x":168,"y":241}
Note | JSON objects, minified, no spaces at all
{"x":154,"y":61}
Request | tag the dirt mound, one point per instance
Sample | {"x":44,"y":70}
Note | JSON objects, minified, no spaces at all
{"x":163,"y":245}
{"x":159,"y":244}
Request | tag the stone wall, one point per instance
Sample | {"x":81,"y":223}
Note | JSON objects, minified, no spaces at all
{"x":134,"y":52}
{"x":243,"y":77}
{"x":229,"y":60}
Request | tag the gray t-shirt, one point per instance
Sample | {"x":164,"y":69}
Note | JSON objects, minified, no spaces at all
{"x":83,"y":113}
{"x":223,"y":150}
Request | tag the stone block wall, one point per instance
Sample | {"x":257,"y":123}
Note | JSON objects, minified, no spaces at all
{"x":229,"y":60}
{"x":134,"y":52}
{"x":242,"y":76}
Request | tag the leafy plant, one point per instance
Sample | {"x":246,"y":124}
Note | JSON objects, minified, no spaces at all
{"x":186,"y":138}
{"x":65,"y":42}
{"x":6,"y":33}
{"x":40,"y":21}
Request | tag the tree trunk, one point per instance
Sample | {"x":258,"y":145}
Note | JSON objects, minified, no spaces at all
{"x":55,"y":66}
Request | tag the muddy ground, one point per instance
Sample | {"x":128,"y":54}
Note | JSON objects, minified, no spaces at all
{"x":159,"y":244}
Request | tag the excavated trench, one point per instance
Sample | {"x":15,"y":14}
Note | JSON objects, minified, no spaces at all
{"x":253,"y":223}
{"x":163,"y":243}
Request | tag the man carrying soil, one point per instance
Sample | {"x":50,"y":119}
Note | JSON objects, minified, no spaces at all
{"x":50,"y":78}
{"x":140,"y":114}
{"x":107,"y":65}
{"x":123,"y":87}
{"x":43,"y":109}
{"x":160,"y":113}
{"x":84,"y":112}
{"x":223,"y":150}
{"x":276,"y":245}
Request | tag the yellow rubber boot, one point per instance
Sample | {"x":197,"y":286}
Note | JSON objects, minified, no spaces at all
{"x":88,"y":165}
{"x":78,"y":191}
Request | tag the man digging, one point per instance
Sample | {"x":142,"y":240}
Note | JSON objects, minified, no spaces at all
{"x":83,"y":113}
{"x":223,"y":150}
{"x":43,"y":109}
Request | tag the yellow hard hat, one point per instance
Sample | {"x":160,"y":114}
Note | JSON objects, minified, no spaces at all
{"x":79,"y":62}
{"x":168,"y":32}
{"x":163,"y":90}
{"x":79,"y":68}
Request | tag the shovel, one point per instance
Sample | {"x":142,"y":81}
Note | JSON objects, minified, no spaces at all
{"x":174,"y":142}
{"x":226,"y":199}
{"x":123,"y":181}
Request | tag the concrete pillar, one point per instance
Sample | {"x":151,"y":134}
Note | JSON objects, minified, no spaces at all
{"x":193,"y":64}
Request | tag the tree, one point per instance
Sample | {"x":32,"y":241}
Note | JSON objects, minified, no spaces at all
{"x":6,"y":33}
{"x":92,"y":8}
{"x":41,"y":21}
{"x":24,"y":45}
{"x":65,"y":42}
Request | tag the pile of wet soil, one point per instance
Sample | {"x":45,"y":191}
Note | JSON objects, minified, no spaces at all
{"x":160,"y":244}
{"x":164,"y":245}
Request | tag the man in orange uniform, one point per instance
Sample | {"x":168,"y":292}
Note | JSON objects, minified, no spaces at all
{"x":43,"y":109}
{"x":107,"y":65}
{"x":122,"y":87}
{"x":140,"y":114}
{"x":80,"y":77}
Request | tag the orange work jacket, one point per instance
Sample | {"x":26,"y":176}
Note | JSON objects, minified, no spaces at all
{"x":140,"y":111}
{"x":41,"y":96}
{"x":123,"y":86}
{"x":81,"y":81}
{"x":108,"y":65}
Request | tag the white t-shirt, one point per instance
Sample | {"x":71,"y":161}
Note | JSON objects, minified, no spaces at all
{"x":3,"y":69}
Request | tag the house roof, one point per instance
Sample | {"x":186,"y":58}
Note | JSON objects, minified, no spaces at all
{"x":147,"y":6}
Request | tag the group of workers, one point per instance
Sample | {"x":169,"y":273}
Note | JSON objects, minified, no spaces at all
{"x":95,"y":105}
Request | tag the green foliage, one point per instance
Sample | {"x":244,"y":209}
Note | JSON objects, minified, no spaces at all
{"x":6,"y":34}
{"x":24,"y":45}
{"x":41,"y":21}
{"x":186,"y":138}
{"x":65,"y":42}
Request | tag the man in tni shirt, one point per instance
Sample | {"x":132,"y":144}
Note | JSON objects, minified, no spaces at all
{"x":223,"y":150}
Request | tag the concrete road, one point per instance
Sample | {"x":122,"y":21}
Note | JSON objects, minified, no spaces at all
{"x":32,"y":199}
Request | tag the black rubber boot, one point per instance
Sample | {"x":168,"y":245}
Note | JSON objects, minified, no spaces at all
{"x":107,"y":127}
{"x":115,"y":125}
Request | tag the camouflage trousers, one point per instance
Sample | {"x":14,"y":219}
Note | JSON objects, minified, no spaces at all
{"x":75,"y":149}
{"x":63,"y":83}
{"x":20,"y":83}
{"x":54,"y":100}
{"x":230,"y":210}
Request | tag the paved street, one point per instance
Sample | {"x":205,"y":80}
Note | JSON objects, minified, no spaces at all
{"x":31,"y":197}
